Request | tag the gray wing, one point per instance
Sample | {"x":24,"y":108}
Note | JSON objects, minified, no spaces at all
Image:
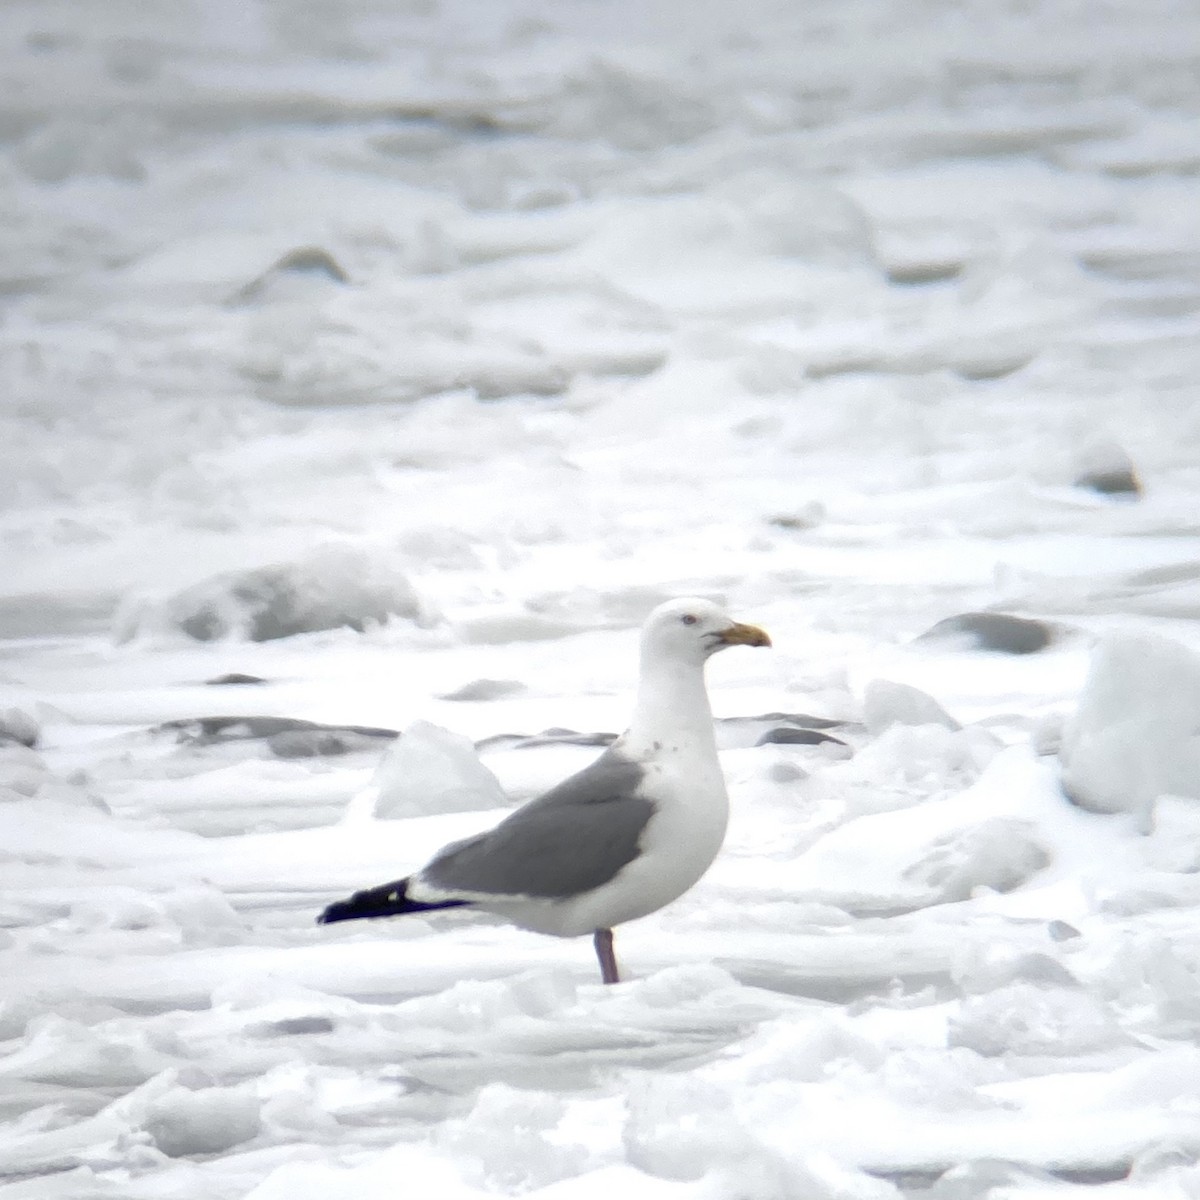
{"x":573,"y":838}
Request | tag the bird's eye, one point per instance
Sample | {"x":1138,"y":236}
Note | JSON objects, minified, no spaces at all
{"x":689,"y":618}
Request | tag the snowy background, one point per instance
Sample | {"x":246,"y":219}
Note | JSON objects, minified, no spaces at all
{"x":403,"y":354}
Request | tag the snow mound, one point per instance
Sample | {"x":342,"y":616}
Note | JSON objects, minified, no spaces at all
{"x":848,"y":869}
{"x":923,"y":852}
{"x":433,"y":770}
{"x":1135,"y":735}
{"x":333,"y":587}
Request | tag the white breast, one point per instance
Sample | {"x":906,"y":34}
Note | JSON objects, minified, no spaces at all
{"x":677,"y":846}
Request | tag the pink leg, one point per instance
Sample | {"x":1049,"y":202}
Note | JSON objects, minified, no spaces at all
{"x":603,"y":941}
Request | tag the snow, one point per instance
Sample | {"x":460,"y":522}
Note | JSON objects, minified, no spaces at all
{"x":403,"y":358}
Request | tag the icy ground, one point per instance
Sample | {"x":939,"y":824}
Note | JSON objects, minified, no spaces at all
{"x":454,"y":334}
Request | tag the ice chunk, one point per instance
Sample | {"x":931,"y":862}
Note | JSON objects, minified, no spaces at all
{"x":507,"y":1140}
{"x":203,"y":916}
{"x":61,"y":1051}
{"x":22,"y":771}
{"x":806,"y":1052}
{"x":887,"y":703}
{"x":987,"y":1177}
{"x":803,"y":220}
{"x":1000,"y":853}
{"x":923,"y":853}
{"x":433,"y":770}
{"x":1135,"y":734}
{"x":1153,"y":977}
{"x":205,"y":1121}
{"x":683,"y":1128}
{"x":986,"y":966}
{"x":905,"y":763}
{"x":1024,"y":1018}
{"x":334,"y":586}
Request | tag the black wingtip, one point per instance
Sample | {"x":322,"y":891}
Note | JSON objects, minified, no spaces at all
{"x":388,"y":900}
{"x":342,"y":910}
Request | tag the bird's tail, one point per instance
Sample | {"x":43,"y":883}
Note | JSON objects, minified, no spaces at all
{"x":387,"y":900}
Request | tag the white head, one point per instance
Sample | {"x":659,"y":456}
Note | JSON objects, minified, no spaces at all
{"x":692,"y":630}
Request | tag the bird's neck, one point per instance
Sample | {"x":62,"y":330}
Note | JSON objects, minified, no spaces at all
{"x":671,"y":712}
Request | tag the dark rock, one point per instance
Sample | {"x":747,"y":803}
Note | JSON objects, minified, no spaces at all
{"x":991,"y":365}
{"x":310,"y":260}
{"x":809,"y":516}
{"x":548,"y":737}
{"x":998,"y":632}
{"x":485,"y":689}
{"x":1120,"y":482}
{"x":742,"y":733}
{"x":789,"y":735}
{"x":732,"y":732}
{"x":17,"y":726}
{"x":801,"y":720}
{"x":285,"y":737}
{"x":1106,"y":468}
{"x":319,"y":743}
{"x":1062,"y":931}
{"x":234,"y":679}
{"x":305,"y":260}
{"x":917,"y":272}
{"x":289,"y":1026}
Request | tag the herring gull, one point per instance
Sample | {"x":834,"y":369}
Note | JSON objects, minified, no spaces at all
{"x":618,"y":840}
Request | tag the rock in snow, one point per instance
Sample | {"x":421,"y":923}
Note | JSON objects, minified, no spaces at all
{"x":1135,"y":734}
{"x":308,"y":262}
{"x":1107,"y":469}
{"x":998,"y":632}
{"x":17,"y":726}
{"x":285,"y":737}
{"x":335,"y":586}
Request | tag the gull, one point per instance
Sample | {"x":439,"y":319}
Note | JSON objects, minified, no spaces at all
{"x":618,"y":840}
